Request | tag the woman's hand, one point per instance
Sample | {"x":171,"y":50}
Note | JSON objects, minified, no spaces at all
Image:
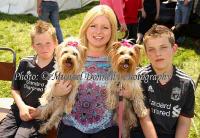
{"x":123,"y":27}
{"x":157,"y":17}
{"x":36,"y":113}
{"x":62,"y":88}
{"x":186,"y":2}
{"x":125,"y":93}
{"x":143,"y":13}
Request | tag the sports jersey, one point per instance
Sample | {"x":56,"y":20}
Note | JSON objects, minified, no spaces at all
{"x":166,"y":102}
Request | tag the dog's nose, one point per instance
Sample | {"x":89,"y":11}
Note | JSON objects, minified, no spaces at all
{"x":69,"y":59}
{"x":126,"y":60}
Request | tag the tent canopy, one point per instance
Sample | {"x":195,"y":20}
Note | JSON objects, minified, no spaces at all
{"x":30,"y":6}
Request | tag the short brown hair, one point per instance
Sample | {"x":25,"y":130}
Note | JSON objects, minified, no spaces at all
{"x":157,"y":31}
{"x":41,"y":27}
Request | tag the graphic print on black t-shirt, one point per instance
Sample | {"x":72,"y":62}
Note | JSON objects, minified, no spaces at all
{"x":29,"y":81}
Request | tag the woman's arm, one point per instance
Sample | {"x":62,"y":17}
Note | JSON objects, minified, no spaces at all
{"x":157,"y":9}
{"x":117,"y":7}
{"x":39,"y":8}
{"x":62,"y":88}
{"x":142,"y":10}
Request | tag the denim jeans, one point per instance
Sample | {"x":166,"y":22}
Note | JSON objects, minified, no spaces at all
{"x":182,"y":12}
{"x":50,"y":11}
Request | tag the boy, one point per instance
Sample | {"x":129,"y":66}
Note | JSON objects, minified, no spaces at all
{"x":170,"y":97}
{"x":28,"y":84}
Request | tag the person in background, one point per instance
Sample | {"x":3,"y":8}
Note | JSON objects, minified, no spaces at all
{"x":150,"y":13}
{"x":131,"y":9}
{"x":182,"y":14}
{"x":49,"y":10}
{"x":117,"y":7}
{"x":182,"y":11}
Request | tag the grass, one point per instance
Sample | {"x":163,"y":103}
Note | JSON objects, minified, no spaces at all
{"x":14,"y":33}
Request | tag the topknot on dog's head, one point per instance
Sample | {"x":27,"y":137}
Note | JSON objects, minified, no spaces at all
{"x":127,"y":43}
{"x":74,"y":42}
{"x":71,"y":41}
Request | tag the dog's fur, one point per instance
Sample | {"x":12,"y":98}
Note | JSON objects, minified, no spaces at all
{"x":69,"y":61}
{"x":124,"y":60}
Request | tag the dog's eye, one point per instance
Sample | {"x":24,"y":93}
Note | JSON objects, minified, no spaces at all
{"x":121,"y":53}
{"x":65,"y":52}
{"x":75,"y":54}
{"x":131,"y":54}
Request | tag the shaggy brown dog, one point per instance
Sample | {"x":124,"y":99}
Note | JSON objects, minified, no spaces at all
{"x":124,"y":60}
{"x":70,"y":58}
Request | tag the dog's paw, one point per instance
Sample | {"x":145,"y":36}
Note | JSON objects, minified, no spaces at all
{"x":42,"y":130}
{"x":68,"y":108}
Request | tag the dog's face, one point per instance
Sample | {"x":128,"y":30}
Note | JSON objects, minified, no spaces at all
{"x":124,"y":57}
{"x":70,"y":57}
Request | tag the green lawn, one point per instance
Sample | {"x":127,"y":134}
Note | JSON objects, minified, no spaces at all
{"x":14,"y":33}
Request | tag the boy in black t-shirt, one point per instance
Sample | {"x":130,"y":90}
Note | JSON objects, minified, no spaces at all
{"x":169,"y":92}
{"x":28,"y":84}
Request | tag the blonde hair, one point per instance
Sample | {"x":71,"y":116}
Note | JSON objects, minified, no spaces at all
{"x":100,"y":10}
{"x":42,"y":27}
{"x":157,"y":31}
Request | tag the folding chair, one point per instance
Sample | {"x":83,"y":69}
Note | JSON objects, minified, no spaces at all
{"x":7,"y":70}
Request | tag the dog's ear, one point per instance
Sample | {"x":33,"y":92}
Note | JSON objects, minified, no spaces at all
{"x":114,"y":48}
{"x":83,"y":50}
{"x":57,"y":49}
{"x":116,"y":45}
{"x":137,"y":49}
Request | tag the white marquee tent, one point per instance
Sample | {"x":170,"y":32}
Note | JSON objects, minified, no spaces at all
{"x":29,"y":6}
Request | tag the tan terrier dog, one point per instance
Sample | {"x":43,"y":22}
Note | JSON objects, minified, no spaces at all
{"x":124,"y":60}
{"x":70,"y":58}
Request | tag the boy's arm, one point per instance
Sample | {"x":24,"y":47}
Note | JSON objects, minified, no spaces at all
{"x":183,"y":127}
{"x":157,"y":9}
{"x":147,"y":126}
{"x":24,"y":110}
{"x":39,"y":8}
{"x":187,"y":112}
